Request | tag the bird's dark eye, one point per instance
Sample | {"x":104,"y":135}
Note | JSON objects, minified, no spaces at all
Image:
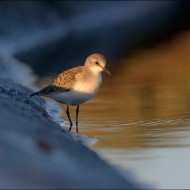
{"x":96,"y":62}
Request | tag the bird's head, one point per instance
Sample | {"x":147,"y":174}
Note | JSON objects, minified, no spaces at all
{"x":97,"y":63}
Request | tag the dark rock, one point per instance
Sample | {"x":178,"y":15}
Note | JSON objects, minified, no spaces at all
{"x":34,"y":153}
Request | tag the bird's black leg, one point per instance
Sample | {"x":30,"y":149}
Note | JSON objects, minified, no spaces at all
{"x":68,"y":115}
{"x":77,"y":112}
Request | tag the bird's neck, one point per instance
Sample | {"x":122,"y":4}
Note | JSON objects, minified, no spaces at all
{"x":90,"y":82}
{"x":92,"y":73}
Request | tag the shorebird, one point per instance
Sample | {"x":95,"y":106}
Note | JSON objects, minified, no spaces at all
{"x":75,"y":86}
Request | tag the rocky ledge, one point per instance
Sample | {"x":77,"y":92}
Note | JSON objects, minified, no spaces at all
{"x":36,"y":153}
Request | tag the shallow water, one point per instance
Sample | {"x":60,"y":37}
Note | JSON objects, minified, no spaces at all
{"x":141,"y":114}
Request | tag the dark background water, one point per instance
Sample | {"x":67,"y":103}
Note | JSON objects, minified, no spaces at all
{"x":62,"y":34}
{"x":140,"y":116}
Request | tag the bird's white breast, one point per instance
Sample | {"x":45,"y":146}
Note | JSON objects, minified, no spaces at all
{"x":89,"y":86}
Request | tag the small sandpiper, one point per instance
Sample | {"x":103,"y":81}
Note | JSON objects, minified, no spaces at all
{"x":77,"y":85}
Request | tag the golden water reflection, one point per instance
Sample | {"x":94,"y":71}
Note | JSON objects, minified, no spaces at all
{"x":146,"y":101}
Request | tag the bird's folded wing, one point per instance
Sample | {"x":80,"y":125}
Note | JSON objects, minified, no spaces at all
{"x":63,"y":83}
{"x":68,"y":78}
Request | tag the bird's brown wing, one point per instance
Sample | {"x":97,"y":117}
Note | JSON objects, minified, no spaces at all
{"x":62,"y":83}
{"x":67,"y":78}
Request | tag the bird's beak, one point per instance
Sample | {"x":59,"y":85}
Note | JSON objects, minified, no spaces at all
{"x":106,"y":71}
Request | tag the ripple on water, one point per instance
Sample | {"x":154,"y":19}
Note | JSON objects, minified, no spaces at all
{"x":140,"y":118}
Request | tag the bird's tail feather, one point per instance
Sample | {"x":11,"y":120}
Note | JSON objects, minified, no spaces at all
{"x":43,"y":91}
{"x":35,"y":94}
{"x":50,"y":89}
